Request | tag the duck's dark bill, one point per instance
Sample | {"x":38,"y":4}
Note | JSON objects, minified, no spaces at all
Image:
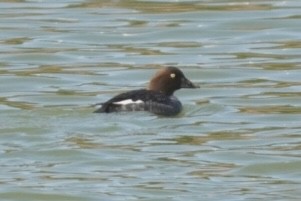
{"x":185,"y":83}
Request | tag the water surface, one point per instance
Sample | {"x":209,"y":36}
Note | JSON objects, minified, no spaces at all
{"x":238,"y":137}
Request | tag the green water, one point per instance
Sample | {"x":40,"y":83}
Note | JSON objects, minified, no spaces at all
{"x":238,"y":137}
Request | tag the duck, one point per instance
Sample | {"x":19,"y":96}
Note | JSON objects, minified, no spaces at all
{"x":157,"y":98}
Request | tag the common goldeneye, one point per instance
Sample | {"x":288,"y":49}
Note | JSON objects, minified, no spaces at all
{"x":158,"y":98}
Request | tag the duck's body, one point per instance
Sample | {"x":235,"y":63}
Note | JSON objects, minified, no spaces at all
{"x":143,"y":100}
{"x":158,"y":98}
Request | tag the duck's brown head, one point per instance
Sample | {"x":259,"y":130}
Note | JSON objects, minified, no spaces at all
{"x":168,"y":80}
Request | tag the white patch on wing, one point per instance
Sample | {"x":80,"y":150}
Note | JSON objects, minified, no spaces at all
{"x":128,"y":101}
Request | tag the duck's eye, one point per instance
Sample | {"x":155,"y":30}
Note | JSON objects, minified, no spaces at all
{"x":172,"y":75}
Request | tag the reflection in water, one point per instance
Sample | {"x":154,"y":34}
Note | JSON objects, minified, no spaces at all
{"x":17,"y":104}
{"x":175,"y":7}
{"x":285,"y":109}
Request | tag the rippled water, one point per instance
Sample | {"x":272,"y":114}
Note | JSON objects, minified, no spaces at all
{"x":238,"y":137}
